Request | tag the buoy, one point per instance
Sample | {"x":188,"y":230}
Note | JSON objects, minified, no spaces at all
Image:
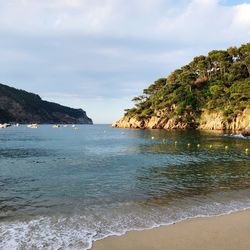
{"x":246,"y":150}
{"x":189,"y":144}
{"x":152,"y":137}
{"x":210,"y":146}
{"x":198,"y":145}
{"x":226,"y":147}
{"x":175,"y":142}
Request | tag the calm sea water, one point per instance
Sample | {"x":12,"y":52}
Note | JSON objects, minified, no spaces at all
{"x":64,"y":188}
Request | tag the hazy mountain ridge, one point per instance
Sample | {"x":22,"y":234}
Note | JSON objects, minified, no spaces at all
{"x":24,"y":107}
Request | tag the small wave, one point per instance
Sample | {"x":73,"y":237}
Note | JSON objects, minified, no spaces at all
{"x":79,"y":231}
{"x":45,"y":233}
{"x":240,"y":136}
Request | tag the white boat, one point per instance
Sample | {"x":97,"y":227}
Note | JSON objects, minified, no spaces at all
{"x":56,"y":126}
{"x":33,"y":125}
{"x":65,"y":126}
{"x":5,"y":125}
{"x":73,"y":125}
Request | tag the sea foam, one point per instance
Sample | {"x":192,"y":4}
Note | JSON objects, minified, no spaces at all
{"x":79,"y":231}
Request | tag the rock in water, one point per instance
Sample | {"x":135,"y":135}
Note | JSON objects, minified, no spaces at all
{"x":246,"y":131}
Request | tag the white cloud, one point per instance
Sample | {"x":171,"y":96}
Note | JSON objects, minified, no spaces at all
{"x":109,"y":48}
{"x":151,"y":19}
{"x":241,"y":17}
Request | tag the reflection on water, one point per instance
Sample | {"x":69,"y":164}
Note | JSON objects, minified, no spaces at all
{"x":173,"y":183}
{"x":98,"y":180}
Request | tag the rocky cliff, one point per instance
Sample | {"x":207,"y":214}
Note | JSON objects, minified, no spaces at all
{"x":24,"y":107}
{"x":207,"y":121}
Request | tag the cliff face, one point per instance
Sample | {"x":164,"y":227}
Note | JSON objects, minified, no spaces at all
{"x":24,"y":107}
{"x":152,"y":123}
{"x":215,"y":121}
{"x":207,"y":121}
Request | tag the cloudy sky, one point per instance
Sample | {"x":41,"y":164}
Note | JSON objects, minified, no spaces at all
{"x":98,"y":54}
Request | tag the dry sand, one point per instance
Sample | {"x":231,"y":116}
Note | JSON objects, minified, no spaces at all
{"x":226,"y":232}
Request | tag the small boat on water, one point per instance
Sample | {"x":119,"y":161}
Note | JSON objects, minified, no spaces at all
{"x":33,"y":125}
{"x":5,"y":125}
{"x":65,"y":126}
{"x":56,"y":126}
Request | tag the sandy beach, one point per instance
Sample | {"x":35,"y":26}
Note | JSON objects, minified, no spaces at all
{"x":226,"y":232}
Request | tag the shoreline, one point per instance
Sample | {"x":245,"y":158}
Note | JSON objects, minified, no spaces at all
{"x":216,"y":131}
{"x":222,"y":232}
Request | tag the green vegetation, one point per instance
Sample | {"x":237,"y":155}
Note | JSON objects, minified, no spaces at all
{"x":217,"y":82}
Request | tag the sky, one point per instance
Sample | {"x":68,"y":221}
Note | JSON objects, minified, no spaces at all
{"x":98,"y":54}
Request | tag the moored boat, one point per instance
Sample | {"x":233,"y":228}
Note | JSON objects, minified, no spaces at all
{"x":5,"y":125}
{"x":33,"y":125}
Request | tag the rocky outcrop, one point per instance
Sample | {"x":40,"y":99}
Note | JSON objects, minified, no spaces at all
{"x":246,"y":131}
{"x":162,"y":120}
{"x":207,"y":121}
{"x":20,"y":106}
{"x":151,"y":123}
{"x":216,"y":121}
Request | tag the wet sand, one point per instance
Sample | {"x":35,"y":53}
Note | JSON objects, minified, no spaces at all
{"x":226,"y":232}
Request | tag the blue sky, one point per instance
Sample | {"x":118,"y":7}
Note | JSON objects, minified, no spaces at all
{"x":234,"y":2}
{"x":98,"y":54}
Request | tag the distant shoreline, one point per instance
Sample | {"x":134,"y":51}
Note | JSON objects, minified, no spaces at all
{"x":223,"y":232}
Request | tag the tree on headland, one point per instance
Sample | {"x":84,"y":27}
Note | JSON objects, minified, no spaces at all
{"x":219,"y":81}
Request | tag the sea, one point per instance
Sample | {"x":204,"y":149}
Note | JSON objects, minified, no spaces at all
{"x":64,"y":188}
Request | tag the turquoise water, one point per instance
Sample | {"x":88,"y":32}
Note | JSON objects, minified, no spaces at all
{"x":65,"y":188}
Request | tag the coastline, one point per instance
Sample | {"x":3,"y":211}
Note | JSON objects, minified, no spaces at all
{"x":222,"y":232}
{"x":208,"y":120}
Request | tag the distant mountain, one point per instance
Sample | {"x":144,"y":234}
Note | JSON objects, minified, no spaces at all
{"x":211,"y":92}
{"x":23,"y":107}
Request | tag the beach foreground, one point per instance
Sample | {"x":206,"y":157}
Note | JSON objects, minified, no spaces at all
{"x":221,"y":232}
